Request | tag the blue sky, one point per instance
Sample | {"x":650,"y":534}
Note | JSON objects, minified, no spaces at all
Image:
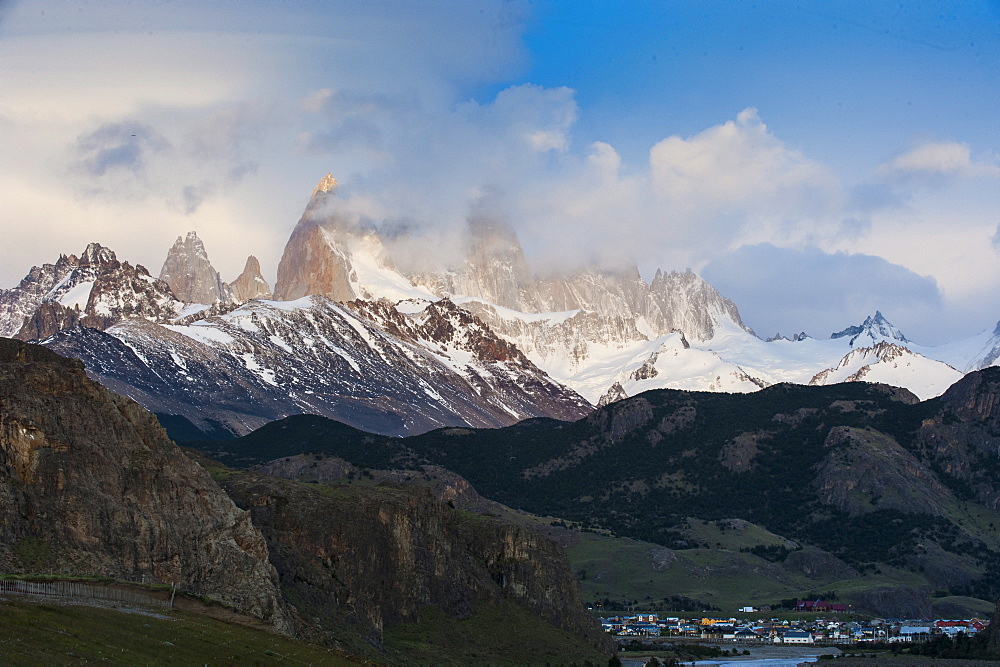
{"x":813,"y":160}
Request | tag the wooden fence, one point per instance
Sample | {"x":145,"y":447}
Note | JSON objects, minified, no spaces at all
{"x":78,"y":590}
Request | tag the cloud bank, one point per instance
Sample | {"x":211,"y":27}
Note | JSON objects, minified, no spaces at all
{"x":820,"y":292}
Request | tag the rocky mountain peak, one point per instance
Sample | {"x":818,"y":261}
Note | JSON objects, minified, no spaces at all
{"x":874,"y":329}
{"x":976,"y":397}
{"x":190,"y":274}
{"x":250,"y":284}
{"x":495,"y":268}
{"x":327,"y":184}
{"x":96,"y":254}
{"x":689,"y":304}
{"x":94,"y":290}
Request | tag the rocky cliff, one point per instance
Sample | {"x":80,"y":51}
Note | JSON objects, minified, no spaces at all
{"x":90,"y":484}
{"x":358,"y":560}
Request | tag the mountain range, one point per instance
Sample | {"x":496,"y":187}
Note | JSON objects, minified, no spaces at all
{"x":474,"y":339}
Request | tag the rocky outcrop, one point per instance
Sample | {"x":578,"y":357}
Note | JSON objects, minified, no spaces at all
{"x":311,"y":265}
{"x":962,"y":436}
{"x":868,"y":470}
{"x":19,"y":303}
{"x":49,"y":318}
{"x":250,"y":284}
{"x":90,"y":484}
{"x":94,"y":290}
{"x":366,"y":558}
{"x":494,"y":268}
{"x":818,"y":564}
{"x":893,"y":602}
{"x":190,"y":274}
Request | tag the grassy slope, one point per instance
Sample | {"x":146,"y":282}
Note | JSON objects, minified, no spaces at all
{"x":33,"y":634}
{"x":621,"y":568}
{"x":440,"y":639}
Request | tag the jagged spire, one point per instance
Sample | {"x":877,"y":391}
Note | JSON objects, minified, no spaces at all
{"x":190,"y":274}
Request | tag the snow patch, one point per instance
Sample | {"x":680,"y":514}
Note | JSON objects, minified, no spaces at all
{"x":78,"y":296}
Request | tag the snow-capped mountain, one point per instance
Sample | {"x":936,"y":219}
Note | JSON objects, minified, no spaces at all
{"x":93,"y":290}
{"x":973,"y":353}
{"x":873,"y":330}
{"x":332,"y":255}
{"x":590,"y":330}
{"x":479,"y":340}
{"x":364,"y":363}
{"x":670,"y":362}
{"x":580,"y":328}
{"x":890,"y":363}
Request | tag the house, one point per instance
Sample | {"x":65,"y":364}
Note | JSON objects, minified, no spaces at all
{"x":645,"y":629}
{"x":914,"y":632}
{"x":747,"y":635}
{"x":718,"y":631}
{"x":797,"y":637}
{"x":821,"y":605}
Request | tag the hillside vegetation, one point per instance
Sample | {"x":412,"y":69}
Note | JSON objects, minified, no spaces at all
{"x":855,"y":485}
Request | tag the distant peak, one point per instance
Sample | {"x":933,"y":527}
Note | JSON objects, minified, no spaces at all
{"x":97,"y":254}
{"x":326,"y":184}
{"x":252,"y":265}
{"x":875,"y":328}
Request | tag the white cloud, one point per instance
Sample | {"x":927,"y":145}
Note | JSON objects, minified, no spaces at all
{"x":739,"y":167}
{"x":212,"y":94}
{"x":941,"y":158}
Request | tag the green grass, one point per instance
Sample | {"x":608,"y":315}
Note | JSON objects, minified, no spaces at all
{"x":982,"y":608}
{"x":495,"y":634}
{"x":619,"y":568}
{"x":33,"y":634}
{"x":623,"y":569}
{"x":731,"y":534}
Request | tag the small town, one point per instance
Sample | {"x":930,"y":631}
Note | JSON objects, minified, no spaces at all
{"x":819,"y":630}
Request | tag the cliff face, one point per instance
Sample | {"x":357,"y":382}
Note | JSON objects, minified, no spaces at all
{"x":367,"y":558}
{"x":90,"y":484}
